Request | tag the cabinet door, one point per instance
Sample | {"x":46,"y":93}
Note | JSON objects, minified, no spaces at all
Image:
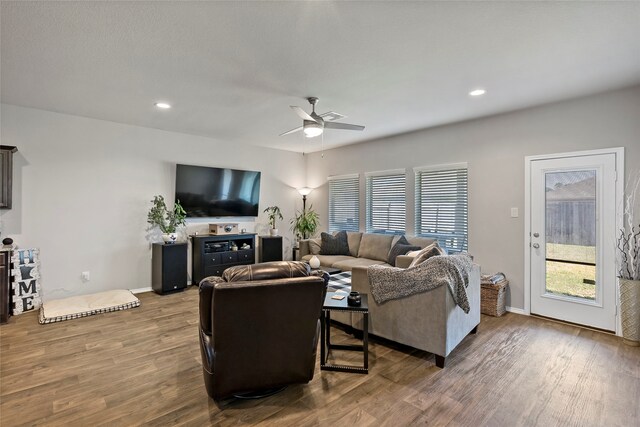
{"x":5,"y":303}
{"x":246,"y":255}
{"x":5,"y":179}
{"x":212,"y":259}
{"x":229,"y":257}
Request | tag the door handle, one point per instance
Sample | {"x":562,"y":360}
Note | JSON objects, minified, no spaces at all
{"x":535,"y":245}
{"x":536,"y":234}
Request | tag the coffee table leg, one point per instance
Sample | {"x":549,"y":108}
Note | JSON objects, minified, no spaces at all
{"x":322,"y":343}
{"x":328,"y":327}
{"x":365,"y":339}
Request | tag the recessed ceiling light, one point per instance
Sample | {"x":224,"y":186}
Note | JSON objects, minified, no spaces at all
{"x":477,"y":92}
{"x":162,"y":105}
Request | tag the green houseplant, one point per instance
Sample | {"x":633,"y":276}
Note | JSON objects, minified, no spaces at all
{"x":305,"y":223}
{"x":167,"y":220}
{"x":274,"y":214}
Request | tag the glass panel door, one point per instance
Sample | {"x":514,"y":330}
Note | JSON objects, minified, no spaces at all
{"x":571,"y":237}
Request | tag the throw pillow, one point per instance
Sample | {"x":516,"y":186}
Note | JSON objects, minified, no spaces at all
{"x":400,"y":249}
{"x":314,"y":246}
{"x":334,"y":245}
{"x":375,"y":246}
{"x":430,"y":251}
{"x":397,"y":240}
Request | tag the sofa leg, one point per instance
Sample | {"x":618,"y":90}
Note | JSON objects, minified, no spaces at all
{"x":474,"y":330}
{"x":440,"y":361}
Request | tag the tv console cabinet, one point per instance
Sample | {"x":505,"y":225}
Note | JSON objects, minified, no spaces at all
{"x":212,"y":254}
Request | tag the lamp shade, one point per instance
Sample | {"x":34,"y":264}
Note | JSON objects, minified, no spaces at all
{"x":311,"y":129}
{"x":304,"y":191}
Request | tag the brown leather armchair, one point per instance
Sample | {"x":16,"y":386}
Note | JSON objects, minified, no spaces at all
{"x":259,"y":327}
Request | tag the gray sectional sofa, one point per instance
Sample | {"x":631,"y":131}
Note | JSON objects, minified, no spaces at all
{"x":366,"y":249}
{"x":429,"y":321}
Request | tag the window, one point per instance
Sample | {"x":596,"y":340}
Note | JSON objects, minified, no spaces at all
{"x":386,"y":202}
{"x":344,"y":203}
{"x":441,"y":205}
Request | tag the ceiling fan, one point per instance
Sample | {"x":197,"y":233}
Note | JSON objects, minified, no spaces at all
{"x":314,"y":124}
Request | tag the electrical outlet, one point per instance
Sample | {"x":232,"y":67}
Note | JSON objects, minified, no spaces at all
{"x":514,"y":212}
{"x":86,"y":276}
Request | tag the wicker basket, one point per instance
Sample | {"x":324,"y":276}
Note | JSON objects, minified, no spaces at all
{"x":493,"y":298}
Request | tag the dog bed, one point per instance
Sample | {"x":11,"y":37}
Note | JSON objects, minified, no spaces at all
{"x":87,"y":305}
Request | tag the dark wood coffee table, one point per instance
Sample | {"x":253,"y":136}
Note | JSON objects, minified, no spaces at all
{"x":325,"y":333}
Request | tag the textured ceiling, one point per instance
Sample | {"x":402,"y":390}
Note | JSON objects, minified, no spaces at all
{"x":231,"y":69}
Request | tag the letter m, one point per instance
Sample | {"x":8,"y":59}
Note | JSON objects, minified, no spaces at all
{"x":27,"y":287}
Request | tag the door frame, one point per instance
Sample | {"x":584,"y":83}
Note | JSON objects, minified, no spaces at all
{"x":619,"y":153}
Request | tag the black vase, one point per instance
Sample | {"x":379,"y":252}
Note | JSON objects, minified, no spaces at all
{"x":354,"y":299}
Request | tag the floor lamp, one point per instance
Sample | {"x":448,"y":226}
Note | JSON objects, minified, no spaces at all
{"x":304,"y":191}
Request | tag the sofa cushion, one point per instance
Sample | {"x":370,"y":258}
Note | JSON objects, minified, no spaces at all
{"x":354,"y":237}
{"x":348,"y":264}
{"x":328,"y":260}
{"x":314,"y":246}
{"x":375,"y":246}
{"x":334,"y":245}
{"x":430,"y":251}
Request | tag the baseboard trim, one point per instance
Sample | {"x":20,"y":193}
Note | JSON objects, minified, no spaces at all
{"x":141,"y":290}
{"x":516,"y":310}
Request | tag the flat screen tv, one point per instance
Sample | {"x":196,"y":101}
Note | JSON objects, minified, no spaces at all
{"x":216,"y":192}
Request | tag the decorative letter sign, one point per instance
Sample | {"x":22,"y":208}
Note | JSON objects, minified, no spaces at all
{"x":26,"y":282}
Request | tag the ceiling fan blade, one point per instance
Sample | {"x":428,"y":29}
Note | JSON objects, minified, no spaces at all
{"x":345,"y":126}
{"x":302,"y":114}
{"x":291,"y":131}
{"x":332,"y":116}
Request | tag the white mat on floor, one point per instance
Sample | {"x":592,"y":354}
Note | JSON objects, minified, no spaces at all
{"x":87,"y":305}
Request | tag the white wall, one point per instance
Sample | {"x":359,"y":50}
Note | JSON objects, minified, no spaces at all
{"x":82,"y":189}
{"x":494,"y":148}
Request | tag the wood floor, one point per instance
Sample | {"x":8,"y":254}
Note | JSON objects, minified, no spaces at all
{"x":142,"y":366}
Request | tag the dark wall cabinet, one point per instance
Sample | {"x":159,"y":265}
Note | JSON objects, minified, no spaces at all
{"x":6,"y":175}
{"x":270,"y":248}
{"x":169,"y":272}
{"x":213,"y":254}
{"x":5,"y":283}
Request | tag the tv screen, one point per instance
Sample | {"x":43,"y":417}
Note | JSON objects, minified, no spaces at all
{"x":212,"y":192}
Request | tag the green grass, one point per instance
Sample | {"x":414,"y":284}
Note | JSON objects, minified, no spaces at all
{"x":567,"y":279}
{"x":571,"y":252}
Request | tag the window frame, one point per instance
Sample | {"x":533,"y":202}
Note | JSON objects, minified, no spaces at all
{"x":457,"y":231}
{"x":369,"y":214}
{"x":331,"y":225}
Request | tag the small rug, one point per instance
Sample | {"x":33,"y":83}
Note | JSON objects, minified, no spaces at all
{"x":87,"y":305}
{"x":340,"y":282}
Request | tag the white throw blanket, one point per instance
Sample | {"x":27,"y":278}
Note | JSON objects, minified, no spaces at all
{"x":389,"y":283}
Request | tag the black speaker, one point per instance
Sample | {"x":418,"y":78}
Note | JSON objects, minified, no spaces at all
{"x":270,"y":248}
{"x":169,"y":272}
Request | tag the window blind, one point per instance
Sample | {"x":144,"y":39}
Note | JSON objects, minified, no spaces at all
{"x":441,"y":205}
{"x":344,"y":203}
{"x":386,"y":209}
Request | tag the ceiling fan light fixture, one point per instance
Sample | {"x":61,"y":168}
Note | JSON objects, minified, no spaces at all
{"x":312,"y":129}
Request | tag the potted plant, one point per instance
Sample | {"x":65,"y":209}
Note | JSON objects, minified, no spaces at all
{"x":165,"y":219}
{"x":274,"y":214}
{"x":628,"y":263}
{"x":305,"y":223}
